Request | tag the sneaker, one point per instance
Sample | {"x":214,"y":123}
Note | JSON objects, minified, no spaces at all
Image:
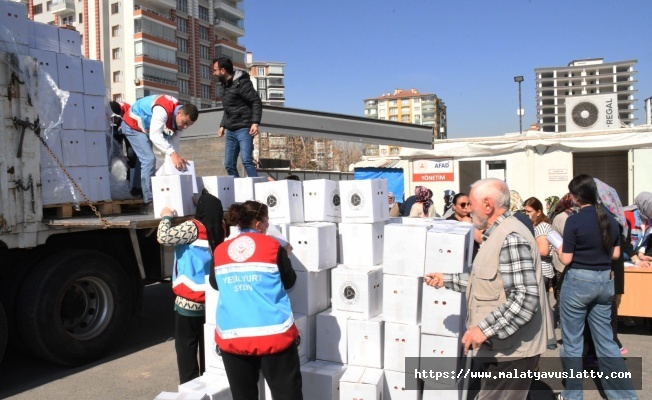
{"x":558,"y":396}
{"x":628,"y":321}
{"x":552,"y":347}
{"x":623,"y":351}
{"x":136,"y":192}
{"x":147,"y":208}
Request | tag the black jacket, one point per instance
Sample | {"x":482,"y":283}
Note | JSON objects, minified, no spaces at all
{"x":242,"y":105}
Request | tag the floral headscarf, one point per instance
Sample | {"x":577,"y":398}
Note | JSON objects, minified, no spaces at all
{"x":551,"y":203}
{"x":611,"y":201}
{"x":423,"y":196}
{"x":515,"y":201}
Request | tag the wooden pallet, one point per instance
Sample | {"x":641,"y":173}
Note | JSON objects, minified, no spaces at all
{"x":114,"y":207}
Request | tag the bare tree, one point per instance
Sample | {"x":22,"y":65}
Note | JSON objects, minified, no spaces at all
{"x":345,"y":154}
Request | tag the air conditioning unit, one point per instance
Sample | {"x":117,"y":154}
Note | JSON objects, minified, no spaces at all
{"x":592,"y":113}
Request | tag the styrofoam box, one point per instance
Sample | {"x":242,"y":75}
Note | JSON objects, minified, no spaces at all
{"x":447,"y":250}
{"x":70,"y":72}
{"x":244,"y":188}
{"x":54,"y":143}
{"x":321,"y":380}
{"x":73,"y":145}
{"x":321,"y":200}
{"x":364,"y":201}
{"x":96,"y":151}
{"x":181,"y":396}
{"x":331,"y":337}
{"x":402,"y":298}
{"x":441,"y":353}
{"x":175,"y":192}
{"x":93,"y":72}
{"x":443,"y":391}
{"x":47,"y":62}
{"x":55,"y":187}
{"x":44,"y":37}
{"x":13,"y":18}
{"x":404,"y":250}
{"x":212,"y":297}
{"x":365,"y":342}
{"x":306,"y":326}
{"x":284,"y":200}
{"x":400,"y":341}
{"x":361,"y":383}
{"x":70,"y":43}
{"x":73,"y":113}
{"x":361,"y":244}
{"x":357,"y":291}
{"x":215,"y":386}
{"x":394,"y":387}
{"x":99,"y":183}
{"x":309,"y":295}
{"x":169,"y":169}
{"x":80,"y":175}
{"x":221,"y":187}
{"x":443,"y":312}
{"x":95,"y":113}
{"x":212,"y":359}
{"x":313,"y":246}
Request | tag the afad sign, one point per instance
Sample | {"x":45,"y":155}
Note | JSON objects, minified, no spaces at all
{"x":433,"y":170}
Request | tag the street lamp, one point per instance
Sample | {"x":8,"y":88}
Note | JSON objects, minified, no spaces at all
{"x":519,"y":79}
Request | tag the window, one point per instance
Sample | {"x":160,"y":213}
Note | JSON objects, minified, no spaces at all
{"x":206,"y":91}
{"x":393,"y":118}
{"x":205,"y":72}
{"x":115,"y":30}
{"x":262,"y":94}
{"x":117,"y":97}
{"x":156,"y":75}
{"x":393,"y":110}
{"x":115,"y":8}
{"x":182,"y":65}
{"x":204,"y":105}
{"x":260,"y":71}
{"x":182,"y":25}
{"x":204,"y":33}
{"x":405,"y":118}
{"x":48,"y":5}
{"x":150,"y":50}
{"x":182,"y":5}
{"x":117,"y":76}
{"x":116,"y":53}
{"x":37,"y":9}
{"x":203,"y":13}
{"x":405,"y":102}
{"x":80,"y":18}
{"x":392,"y":102}
{"x":184,"y":86}
{"x":67,"y":20}
{"x":405,"y":110}
{"x":204,"y":52}
{"x":275,"y":69}
{"x":416,"y":101}
{"x":261,"y":84}
{"x":182,"y":45}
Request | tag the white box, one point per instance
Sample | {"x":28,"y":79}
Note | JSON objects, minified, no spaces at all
{"x":221,"y":187}
{"x":332,"y":337}
{"x":244,"y":188}
{"x":284,"y":200}
{"x":215,"y":386}
{"x":168,"y":169}
{"x":53,"y":140}
{"x":95,"y":113}
{"x":364,"y":201}
{"x":99,"y":184}
{"x":70,"y":72}
{"x":309,"y":295}
{"x":361,"y":244}
{"x":55,"y":187}
{"x":321,"y":380}
{"x":362,"y":383}
{"x":175,"y":192}
{"x":440,"y":353}
{"x":96,"y":151}
{"x":212,"y":297}
{"x":306,"y":326}
{"x":404,"y":250}
{"x":79,"y":175}
{"x":73,"y":145}
{"x":313,"y":246}
{"x":357,"y":292}
{"x":93,"y":73}
{"x":402,"y":298}
{"x":70,"y":43}
{"x":400,"y":341}
{"x":395,"y":387}
{"x":73,"y":112}
{"x":47,"y":62}
{"x":365,"y":342}
{"x":13,"y":19}
{"x":443,"y":312}
{"x":180,"y":396}
{"x":433,"y":390}
{"x":447,"y":249}
{"x":44,"y":37}
{"x":212,"y":359}
{"x":321,"y":201}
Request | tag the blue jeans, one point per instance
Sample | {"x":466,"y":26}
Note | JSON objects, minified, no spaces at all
{"x":146,"y":165}
{"x":242,"y":143}
{"x":587,"y":295}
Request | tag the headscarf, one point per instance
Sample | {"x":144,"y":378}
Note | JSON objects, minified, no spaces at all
{"x":565,"y":204}
{"x":644,"y":203}
{"x":391,"y":195}
{"x":609,"y":198}
{"x":423,"y":196}
{"x":448,"y":199}
{"x":515,"y":201}
{"x":551,"y":203}
{"x":210,"y":213}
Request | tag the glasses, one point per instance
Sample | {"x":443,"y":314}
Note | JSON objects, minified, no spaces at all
{"x":463,"y":205}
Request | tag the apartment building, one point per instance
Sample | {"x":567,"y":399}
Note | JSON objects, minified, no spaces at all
{"x":648,"y":110}
{"x":153,"y":46}
{"x":554,"y":85}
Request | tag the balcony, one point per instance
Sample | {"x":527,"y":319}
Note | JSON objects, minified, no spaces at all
{"x":62,"y":7}
{"x":230,"y":6}
{"x":229,"y":26}
{"x":140,"y":11}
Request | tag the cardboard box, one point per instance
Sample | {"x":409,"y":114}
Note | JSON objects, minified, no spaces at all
{"x":309,"y":295}
{"x":70,"y":43}
{"x":447,"y":249}
{"x":402,"y":299}
{"x":168,"y":169}
{"x":73,"y":144}
{"x":175,"y":192}
{"x":364,"y":201}
{"x":307,"y":326}
{"x":245,"y":188}
{"x":44,"y":37}
{"x":73,"y":113}
{"x":181,"y":396}
{"x":395,"y":387}
{"x":70,"y":72}
{"x":404,"y":249}
{"x":284,"y":200}
{"x":99,"y":183}
{"x":321,"y":380}
{"x":221,"y":187}
{"x":321,"y":201}
{"x":313,"y":246}
{"x":13,"y":19}
{"x":357,"y":292}
{"x":331,"y":337}
{"x":365,"y":342}
{"x":215,"y":386}
{"x":212,"y":297}
{"x":212,"y":358}
{"x":400,"y":341}
{"x":93,"y":74}
{"x":443,"y":391}
{"x":97,"y":154}
{"x":95,"y":113}
{"x":53,"y":140}
{"x":362,"y":383}
{"x":441,"y":354}
{"x":361,"y":244}
{"x":443,"y":312}
{"x":46,"y":62}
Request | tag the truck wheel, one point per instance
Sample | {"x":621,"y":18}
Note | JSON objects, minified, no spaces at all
{"x":3,"y":332}
{"x":73,"y":306}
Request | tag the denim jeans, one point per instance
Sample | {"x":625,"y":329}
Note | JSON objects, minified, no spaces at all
{"x":146,"y":165}
{"x":242,"y":143}
{"x":587,"y":295}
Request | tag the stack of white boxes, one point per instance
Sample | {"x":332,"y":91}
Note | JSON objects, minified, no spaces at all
{"x":245,"y":188}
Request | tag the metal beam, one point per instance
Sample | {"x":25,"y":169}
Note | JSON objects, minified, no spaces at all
{"x":296,"y":122}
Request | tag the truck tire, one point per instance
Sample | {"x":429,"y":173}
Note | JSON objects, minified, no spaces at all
{"x":3,"y":332}
{"x":73,"y":306}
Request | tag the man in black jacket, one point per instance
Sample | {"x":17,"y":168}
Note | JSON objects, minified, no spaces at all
{"x":243,"y":110}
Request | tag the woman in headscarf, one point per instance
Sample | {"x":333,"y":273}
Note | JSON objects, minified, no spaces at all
{"x":643,"y":246}
{"x":515,"y":201}
{"x":194,"y":242}
{"x":551,"y":203}
{"x":393,"y":205}
{"x":448,"y":203}
{"x":423,"y":208}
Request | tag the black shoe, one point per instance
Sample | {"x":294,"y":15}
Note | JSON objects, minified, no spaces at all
{"x":147,"y":208}
{"x":558,"y":396}
{"x":136,"y":192}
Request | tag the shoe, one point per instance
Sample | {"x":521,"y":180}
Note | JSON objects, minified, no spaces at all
{"x":623,"y":351}
{"x":136,"y":192}
{"x":628,"y":321}
{"x":552,"y":347}
{"x":558,"y":396}
{"x":147,"y":208}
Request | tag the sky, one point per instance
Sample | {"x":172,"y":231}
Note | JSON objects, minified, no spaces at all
{"x":467,"y":52}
